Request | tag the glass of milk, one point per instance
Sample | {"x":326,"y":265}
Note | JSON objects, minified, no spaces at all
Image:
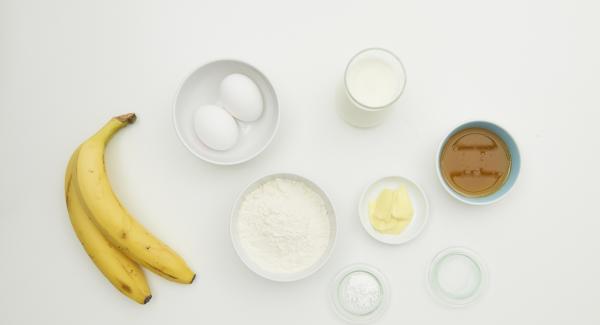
{"x":374,"y":80}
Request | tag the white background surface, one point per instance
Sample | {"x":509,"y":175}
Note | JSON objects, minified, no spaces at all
{"x":531,"y":66}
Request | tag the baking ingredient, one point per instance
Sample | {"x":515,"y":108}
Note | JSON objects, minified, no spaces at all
{"x":215,"y":127}
{"x":475,"y":162}
{"x":284,"y":226}
{"x":375,"y":78}
{"x":360,"y":293}
{"x":392,"y":211}
{"x":112,"y":219}
{"x":241,"y":97}
{"x":458,"y":275}
{"x":120,"y":270}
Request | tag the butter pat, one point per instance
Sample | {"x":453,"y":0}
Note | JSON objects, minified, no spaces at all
{"x":392,"y":211}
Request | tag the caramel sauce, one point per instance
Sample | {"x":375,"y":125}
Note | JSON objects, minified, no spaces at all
{"x":475,"y":162}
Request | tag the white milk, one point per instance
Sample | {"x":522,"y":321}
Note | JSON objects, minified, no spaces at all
{"x":375,"y":78}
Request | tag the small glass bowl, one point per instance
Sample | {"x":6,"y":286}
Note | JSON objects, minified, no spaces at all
{"x":457,"y":277}
{"x":357,"y":316}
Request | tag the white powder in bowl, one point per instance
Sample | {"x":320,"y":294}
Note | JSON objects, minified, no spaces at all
{"x":360,"y":293}
{"x":284,"y":226}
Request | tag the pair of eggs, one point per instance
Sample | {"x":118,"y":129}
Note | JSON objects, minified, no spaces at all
{"x":216,"y":125}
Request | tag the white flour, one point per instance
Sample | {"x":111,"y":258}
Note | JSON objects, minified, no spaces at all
{"x":284,"y":226}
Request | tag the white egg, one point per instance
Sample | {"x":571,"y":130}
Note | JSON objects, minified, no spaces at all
{"x":241,"y":97}
{"x":215,"y":127}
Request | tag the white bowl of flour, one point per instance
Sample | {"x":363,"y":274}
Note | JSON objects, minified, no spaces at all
{"x":283,"y":227}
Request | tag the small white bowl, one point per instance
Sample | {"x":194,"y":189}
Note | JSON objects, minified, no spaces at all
{"x":419,"y":202}
{"x":200,"y":88}
{"x":282,"y":277}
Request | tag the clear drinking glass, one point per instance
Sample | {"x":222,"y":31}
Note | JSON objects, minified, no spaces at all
{"x":374,"y":80}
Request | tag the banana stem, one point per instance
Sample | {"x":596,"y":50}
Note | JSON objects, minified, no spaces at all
{"x":112,"y":126}
{"x":128,"y":118}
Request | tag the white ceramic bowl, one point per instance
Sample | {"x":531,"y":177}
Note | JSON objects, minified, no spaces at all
{"x":282,"y":277}
{"x":419,"y":202}
{"x":200,"y":88}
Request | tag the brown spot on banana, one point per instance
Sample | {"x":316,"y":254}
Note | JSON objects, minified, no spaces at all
{"x":126,"y":288}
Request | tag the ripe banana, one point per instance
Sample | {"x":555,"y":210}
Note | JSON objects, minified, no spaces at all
{"x":121,"y":271}
{"x":112,"y":219}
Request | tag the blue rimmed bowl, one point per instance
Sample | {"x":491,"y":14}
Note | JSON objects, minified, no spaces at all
{"x":514,"y":170}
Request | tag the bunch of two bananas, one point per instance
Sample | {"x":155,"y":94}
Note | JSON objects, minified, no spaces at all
{"x":113,"y":239}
